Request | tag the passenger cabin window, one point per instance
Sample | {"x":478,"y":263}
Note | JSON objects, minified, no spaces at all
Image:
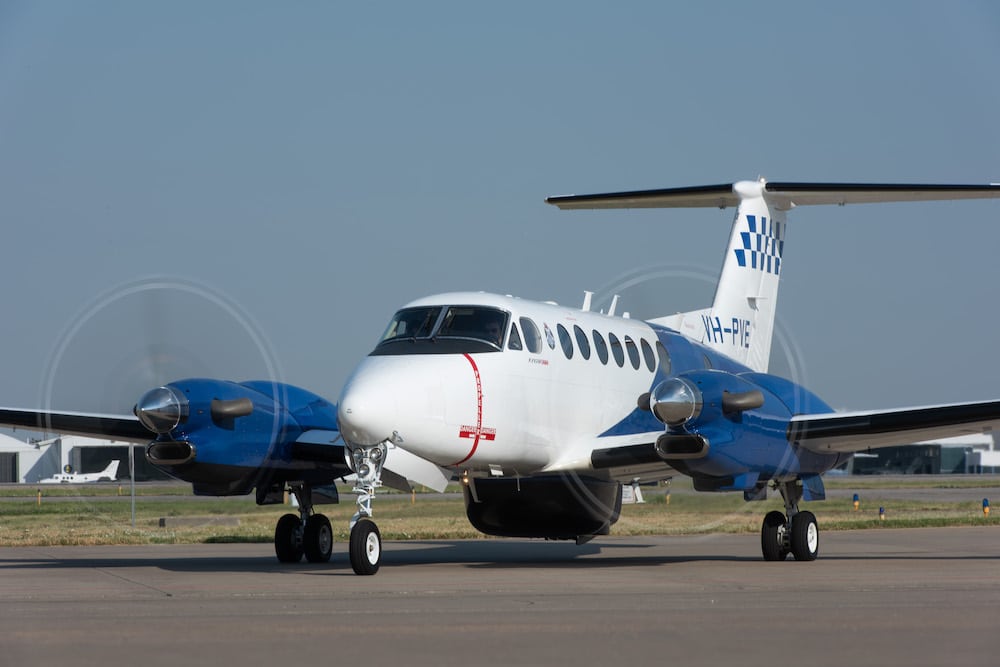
{"x":514,"y":340}
{"x":633,"y":352}
{"x":616,"y":350}
{"x":664,"y":358}
{"x":647,"y":355}
{"x":532,"y":337}
{"x":601,"y":347}
{"x":565,"y":341}
{"x":582,"y":342}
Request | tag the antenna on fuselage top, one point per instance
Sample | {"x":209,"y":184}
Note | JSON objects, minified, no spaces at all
{"x":614,"y":304}
{"x":587,"y":296}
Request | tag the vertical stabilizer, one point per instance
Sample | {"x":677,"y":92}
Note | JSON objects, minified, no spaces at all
{"x":740,"y":322}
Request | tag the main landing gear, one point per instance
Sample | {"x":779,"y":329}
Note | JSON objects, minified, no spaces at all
{"x":366,"y":542}
{"x":792,"y":532}
{"x":308,"y":534}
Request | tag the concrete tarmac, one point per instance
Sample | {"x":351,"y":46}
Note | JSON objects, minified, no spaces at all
{"x":875,"y":597}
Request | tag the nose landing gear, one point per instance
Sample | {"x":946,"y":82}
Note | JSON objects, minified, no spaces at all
{"x":366,"y":541}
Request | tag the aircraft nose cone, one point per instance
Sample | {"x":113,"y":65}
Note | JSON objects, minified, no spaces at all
{"x":161,"y":409}
{"x":365,"y":411}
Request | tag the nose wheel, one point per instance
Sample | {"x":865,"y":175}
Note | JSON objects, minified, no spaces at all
{"x":366,"y":547}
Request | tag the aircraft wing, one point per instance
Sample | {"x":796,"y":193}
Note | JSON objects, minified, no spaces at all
{"x":126,"y":428}
{"x":849,"y":432}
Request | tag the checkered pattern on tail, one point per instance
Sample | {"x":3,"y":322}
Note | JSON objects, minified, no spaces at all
{"x":762,"y":245}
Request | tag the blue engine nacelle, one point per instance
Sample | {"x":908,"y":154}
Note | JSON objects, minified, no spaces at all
{"x":227,"y":438}
{"x":729,"y":431}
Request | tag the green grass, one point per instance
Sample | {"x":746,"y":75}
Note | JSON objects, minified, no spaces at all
{"x":101,"y":489}
{"x":93,"y":521}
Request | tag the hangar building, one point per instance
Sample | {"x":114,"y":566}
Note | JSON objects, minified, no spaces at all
{"x":33,"y":460}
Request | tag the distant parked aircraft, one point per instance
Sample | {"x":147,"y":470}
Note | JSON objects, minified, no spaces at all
{"x":109,"y":474}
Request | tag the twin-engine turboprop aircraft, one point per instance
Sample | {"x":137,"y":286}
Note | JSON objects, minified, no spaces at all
{"x":542,"y":411}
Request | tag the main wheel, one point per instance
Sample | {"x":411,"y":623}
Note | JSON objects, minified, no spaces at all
{"x":805,"y":536}
{"x":317,"y":539}
{"x":366,"y":547}
{"x":288,"y":539}
{"x":772,"y":536}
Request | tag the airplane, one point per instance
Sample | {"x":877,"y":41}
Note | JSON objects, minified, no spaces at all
{"x":109,"y":474}
{"x":543,"y":411}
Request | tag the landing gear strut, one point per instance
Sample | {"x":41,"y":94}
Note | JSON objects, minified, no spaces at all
{"x":308,"y":534}
{"x":366,"y":541}
{"x":793,"y":532}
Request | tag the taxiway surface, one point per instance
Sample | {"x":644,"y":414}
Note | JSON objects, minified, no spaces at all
{"x":875,"y":597}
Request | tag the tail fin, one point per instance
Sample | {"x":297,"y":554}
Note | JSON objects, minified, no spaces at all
{"x":111,"y":472}
{"x":740,"y":322}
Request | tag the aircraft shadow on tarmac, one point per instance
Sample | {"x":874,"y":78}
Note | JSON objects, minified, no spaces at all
{"x":485,"y":554}
{"x":470,"y":553}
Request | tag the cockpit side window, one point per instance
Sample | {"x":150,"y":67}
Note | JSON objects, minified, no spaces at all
{"x":514,"y":340}
{"x":412,"y":323}
{"x":532,"y":338}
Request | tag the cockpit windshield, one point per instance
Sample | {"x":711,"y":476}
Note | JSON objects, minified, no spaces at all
{"x":444,"y":330}
{"x":487,"y":324}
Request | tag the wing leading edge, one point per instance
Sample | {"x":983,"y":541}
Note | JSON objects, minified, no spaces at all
{"x":115,"y":427}
{"x":849,"y":432}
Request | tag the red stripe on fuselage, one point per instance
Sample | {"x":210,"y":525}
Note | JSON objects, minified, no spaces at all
{"x":479,"y":411}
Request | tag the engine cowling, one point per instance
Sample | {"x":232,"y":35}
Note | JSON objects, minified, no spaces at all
{"x":687,"y":402}
{"x":227,"y":438}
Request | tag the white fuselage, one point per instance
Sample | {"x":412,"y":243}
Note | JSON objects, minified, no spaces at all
{"x":502,"y":410}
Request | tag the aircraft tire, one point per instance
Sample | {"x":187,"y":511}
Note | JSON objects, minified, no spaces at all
{"x":317,"y":539}
{"x":366,"y":547}
{"x":772,"y":540}
{"x":805,"y":536}
{"x":287,"y":544}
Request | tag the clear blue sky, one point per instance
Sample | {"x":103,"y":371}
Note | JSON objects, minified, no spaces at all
{"x":299,"y":170}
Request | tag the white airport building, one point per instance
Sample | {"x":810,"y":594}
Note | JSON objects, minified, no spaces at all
{"x":34,"y":459}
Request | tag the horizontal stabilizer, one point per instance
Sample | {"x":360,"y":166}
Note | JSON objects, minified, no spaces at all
{"x":784,"y":195}
{"x":848,"y":432}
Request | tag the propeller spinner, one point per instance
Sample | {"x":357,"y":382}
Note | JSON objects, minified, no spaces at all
{"x":161,"y":409}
